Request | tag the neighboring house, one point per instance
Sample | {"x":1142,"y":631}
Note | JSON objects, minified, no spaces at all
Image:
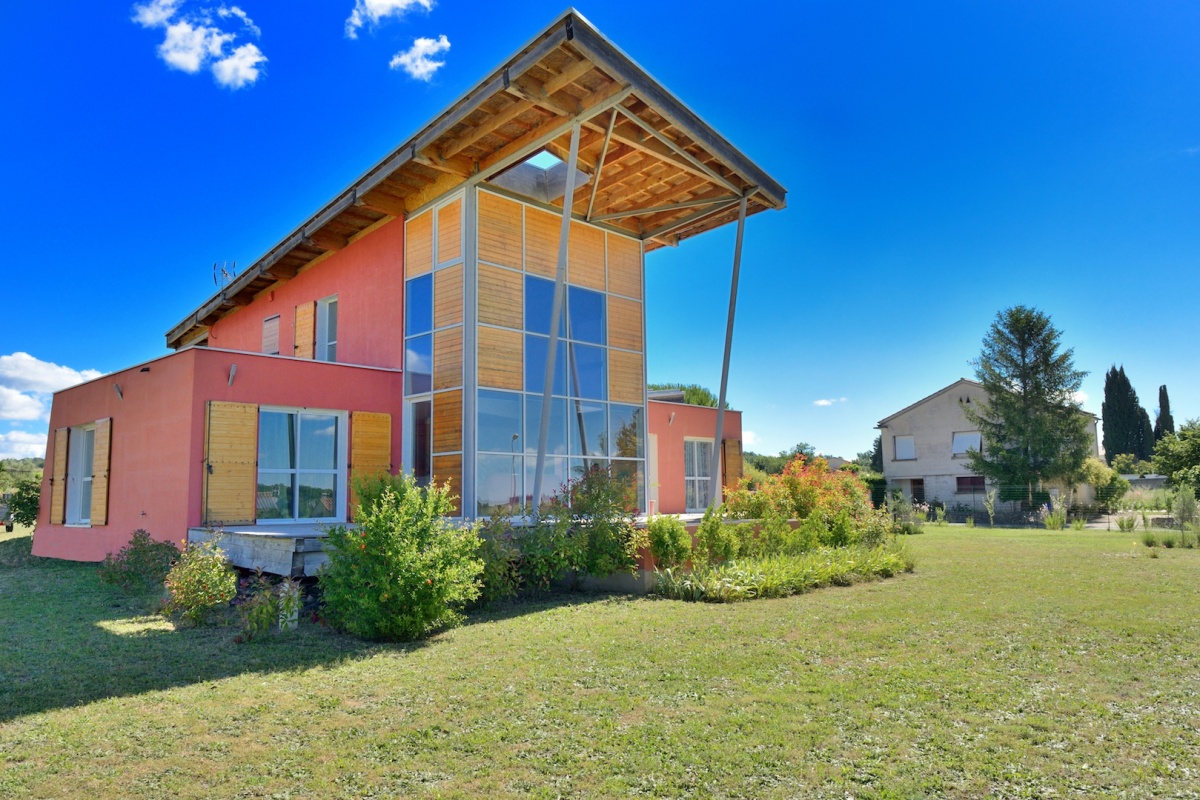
{"x":925,"y":448}
{"x":406,"y":326}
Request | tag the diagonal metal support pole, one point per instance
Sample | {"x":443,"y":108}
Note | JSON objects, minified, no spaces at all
{"x":560,"y":282}
{"x":718,"y":449}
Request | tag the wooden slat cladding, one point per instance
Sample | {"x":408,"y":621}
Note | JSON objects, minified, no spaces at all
{"x":500,"y":234}
{"x":448,"y":359}
{"x":731,"y":453}
{"x":370,"y":447}
{"x":624,"y":266}
{"x":448,"y":469}
{"x":447,"y":421}
{"x":501,"y":359}
{"x":58,"y":478}
{"x":418,"y":245}
{"x":541,"y":242}
{"x":625,"y":381}
{"x":101,"y":460}
{"x":449,"y":232}
{"x":448,"y":296}
{"x":624,"y":323}
{"x":501,"y":297}
{"x":270,"y":335}
{"x":230,"y":457}
{"x":305,"y":339}
{"x":585,"y":256}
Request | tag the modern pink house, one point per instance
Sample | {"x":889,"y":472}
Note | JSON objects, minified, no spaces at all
{"x":449,"y":315}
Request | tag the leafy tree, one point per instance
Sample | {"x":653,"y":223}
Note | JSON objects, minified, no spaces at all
{"x":25,"y":501}
{"x":693,"y":394}
{"x":1164,"y":423}
{"x":1033,"y":429}
{"x":1178,"y":455}
{"x":773,"y":465}
{"x":1127,"y":426}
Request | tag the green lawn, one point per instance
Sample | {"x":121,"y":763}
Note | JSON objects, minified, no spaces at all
{"x":1010,"y":664}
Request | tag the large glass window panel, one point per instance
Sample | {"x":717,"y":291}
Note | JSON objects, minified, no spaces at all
{"x":627,"y":427}
{"x":420,"y":453}
{"x":276,"y":440}
{"x":418,"y":365}
{"x":535,"y":365}
{"x":500,"y":484}
{"x":633,"y":473}
{"x":589,"y":372}
{"x":554,"y":477}
{"x":500,"y":421}
{"x":556,"y":440}
{"x":274,"y":500}
{"x":587,"y":319}
{"x":418,"y":305}
{"x":318,"y":441}
{"x":539,"y":306}
{"x":317,"y":495}
{"x":587,"y":426}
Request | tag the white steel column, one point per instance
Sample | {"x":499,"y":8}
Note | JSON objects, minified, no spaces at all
{"x":560,"y":282}
{"x":718,"y":448}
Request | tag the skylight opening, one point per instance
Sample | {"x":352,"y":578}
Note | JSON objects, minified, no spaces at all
{"x":544,"y":159}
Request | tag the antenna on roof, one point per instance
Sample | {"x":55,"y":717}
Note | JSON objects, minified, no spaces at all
{"x":224,"y":273}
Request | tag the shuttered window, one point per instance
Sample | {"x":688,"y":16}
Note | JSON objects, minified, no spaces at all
{"x":270,"y":336}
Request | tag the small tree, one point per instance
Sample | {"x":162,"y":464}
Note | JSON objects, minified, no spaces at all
{"x":1127,"y":426}
{"x":1178,"y":455}
{"x":1164,"y":423}
{"x":25,"y":501}
{"x":1032,"y":428}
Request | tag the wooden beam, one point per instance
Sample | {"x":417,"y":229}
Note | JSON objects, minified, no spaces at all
{"x":383,"y":203}
{"x":600,"y":164}
{"x":679,"y":150}
{"x":431,"y":192}
{"x":498,"y":120}
{"x":462,"y":167}
{"x":688,"y":220}
{"x":638,"y":212}
{"x":323,"y":240}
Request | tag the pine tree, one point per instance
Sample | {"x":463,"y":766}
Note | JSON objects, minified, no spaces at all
{"x":1032,"y":427}
{"x":1164,"y":423}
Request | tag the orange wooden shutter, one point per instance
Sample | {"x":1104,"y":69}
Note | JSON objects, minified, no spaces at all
{"x":58,"y":478}
{"x":230,"y":463}
{"x":305,"y":340}
{"x":731,"y":455}
{"x":101,"y":460}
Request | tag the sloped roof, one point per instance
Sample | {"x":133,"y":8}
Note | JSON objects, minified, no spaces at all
{"x":660,"y":173}
{"x":927,"y":398}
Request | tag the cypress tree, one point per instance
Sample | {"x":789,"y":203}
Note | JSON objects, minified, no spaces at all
{"x":1127,"y":426}
{"x":1145,"y":436}
{"x":1164,"y":423}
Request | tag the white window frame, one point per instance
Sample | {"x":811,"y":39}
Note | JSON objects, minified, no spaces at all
{"x":79,"y":472}
{"x":341,"y":453}
{"x":896,"y":447}
{"x":975,"y":444}
{"x":703,"y":483}
{"x":326,"y":339}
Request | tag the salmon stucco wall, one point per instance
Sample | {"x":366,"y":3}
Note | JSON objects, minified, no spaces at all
{"x":671,"y":424}
{"x":368,"y":279}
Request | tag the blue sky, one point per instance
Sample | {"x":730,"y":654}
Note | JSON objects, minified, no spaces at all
{"x":944,"y":160}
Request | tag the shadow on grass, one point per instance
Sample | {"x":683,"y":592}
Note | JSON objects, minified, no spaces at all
{"x":66,"y":639}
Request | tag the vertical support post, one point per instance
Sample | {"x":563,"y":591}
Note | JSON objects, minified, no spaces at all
{"x":560,"y":282}
{"x":718,"y":449}
{"x":470,"y":227}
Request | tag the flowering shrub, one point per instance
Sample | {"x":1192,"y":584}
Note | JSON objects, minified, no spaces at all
{"x":805,"y":488}
{"x":141,"y":565}
{"x":405,"y":571}
{"x":200,"y":582}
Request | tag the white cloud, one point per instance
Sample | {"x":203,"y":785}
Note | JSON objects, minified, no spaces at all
{"x":19,"y":444}
{"x":823,"y":402}
{"x":193,"y":42}
{"x":16,"y":405}
{"x":25,"y":373}
{"x":373,"y":11}
{"x":749,"y":438}
{"x":418,"y":61}
{"x":1081,"y":397}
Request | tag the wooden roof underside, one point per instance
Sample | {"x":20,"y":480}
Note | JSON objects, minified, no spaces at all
{"x":659,"y":173}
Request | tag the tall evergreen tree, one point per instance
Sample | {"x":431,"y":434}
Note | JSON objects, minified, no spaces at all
{"x":1125,"y":421}
{"x":1032,"y":426}
{"x":1164,"y":423}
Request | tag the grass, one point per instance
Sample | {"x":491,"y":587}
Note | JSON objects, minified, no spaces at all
{"x":1013,"y":663}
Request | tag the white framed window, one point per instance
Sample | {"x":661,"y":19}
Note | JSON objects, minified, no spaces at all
{"x":697,"y":473}
{"x":962,"y":441}
{"x":905,"y":448}
{"x":301,"y":465}
{"x":418,"y":438}
{"x":327,"y":319}
{"x":81,"y":455}
{"x":270,"y":335}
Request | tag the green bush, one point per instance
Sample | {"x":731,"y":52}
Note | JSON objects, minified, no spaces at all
{"x":1183,"y":506}
{"x":715,"y":541}
{"x":1149,"y":539}
{"x":141,"y":565}
{"x":670,"y":542}
{"x":260,"y":610}
{"x":599,"y":507}
{"x":1126,"y":522}
{"x":200,"y":583}
{"x":405,"y":571}
{"x":501,"y":578}
{"x":25,"y":500}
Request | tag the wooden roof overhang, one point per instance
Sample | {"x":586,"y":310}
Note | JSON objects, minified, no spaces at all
{"x":657,"y":171}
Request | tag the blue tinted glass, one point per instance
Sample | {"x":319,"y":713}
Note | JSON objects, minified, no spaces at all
{"x":535,"y":365}
{"x":628,"y":431}
{"x":418,"y":364}
{"x":587,"y":424}
{"x":589,"y":373}
{"x":499,"y":484}
{"x":556,"y":438}
{"x":418,"y":306}
{"x":539,"y":305}
{"x":587,"y":315}
{"x":500,"y":421}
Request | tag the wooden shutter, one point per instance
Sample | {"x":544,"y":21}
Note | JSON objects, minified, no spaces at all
{"x":101,"y":460}
{"x":306,"y":330}
{"x":731,"y":460}
{"x":370,"y":447}
{"x":230,"y":463}
{"x":58,"y":478}
{"x":270,"y":339}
